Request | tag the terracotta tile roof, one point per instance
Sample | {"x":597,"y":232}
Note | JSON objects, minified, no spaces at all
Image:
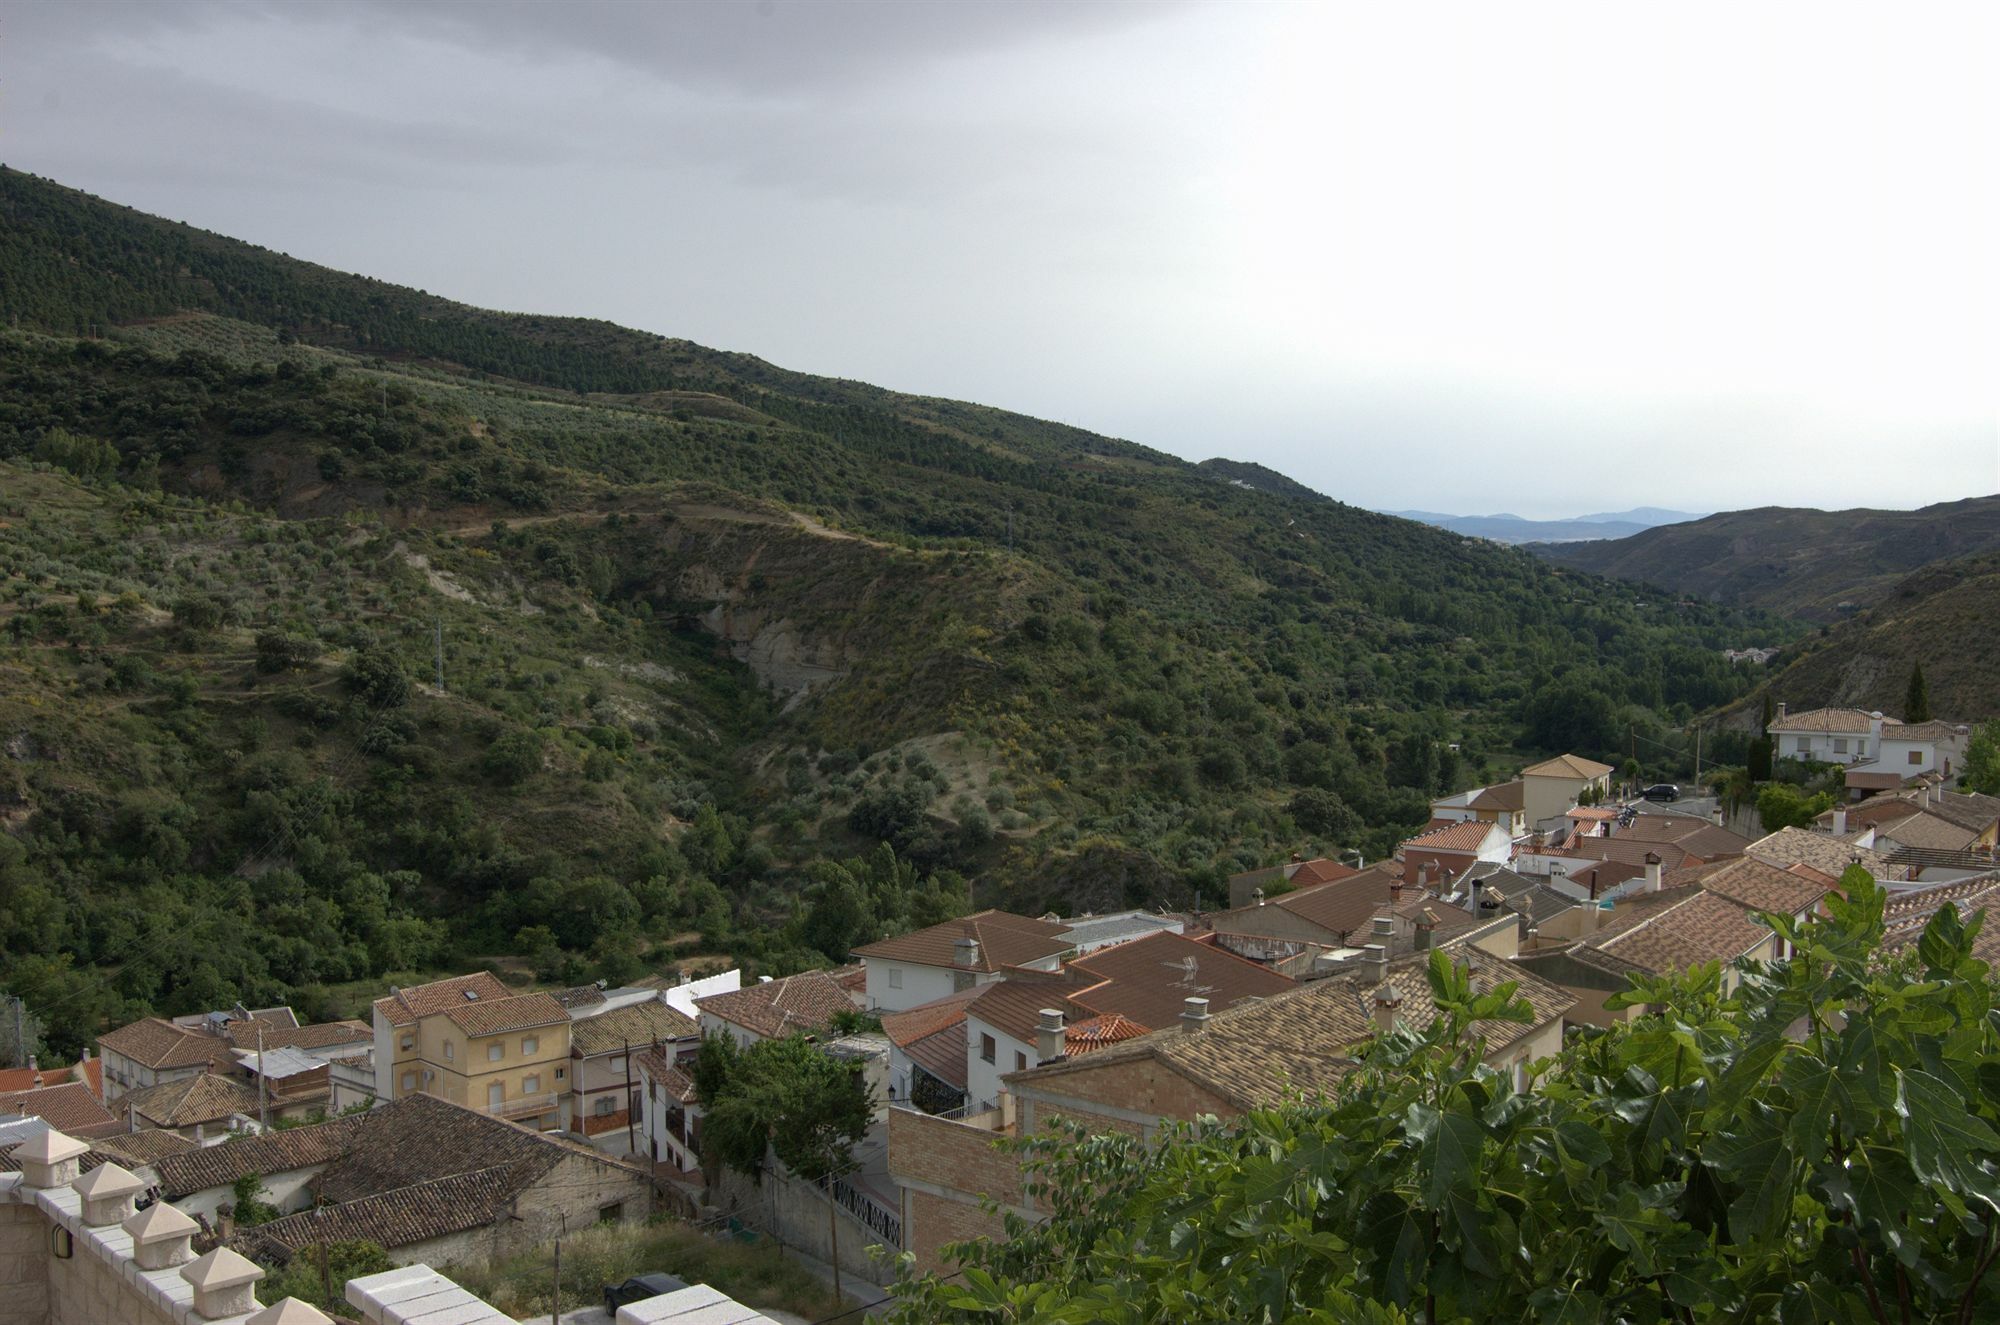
{"x":420,"y":1137}
{"x":1322,"y":870}
{"x":319,"y":1035}
{"x":853,"y":978}
{"x":23,"y":1078}
{"x":522,"y":1012}
{"x":1340,"y":908}
{"x":1014,"y":1007}
{"x":942,"y":1053}
{"x":1501,"y":796}
{"x":406,"y":1007}
{"x":1927,"y":832}
{"x":282,"y":1151}
{"x":207,"y":1098}
{"x":1466,"y":837}
{"x":1905,"y":914}
{"x":639,"y":1024}
{"x":581,"y":996}
{"x":1589,"y":813}
{"x":158,"y":1044}
{"x":1697,"y":837}
{"x":1004,"y":940}
{"x":1761,"y":886}
{"x":131,"y":1148}
{"x":1702,"y":927}
{"x":1933,"y":730}
{"x":1147,"y":980}
{"x":1301,"y":1042}
{"x":1868,"y":778}
{"x":1967,"y":809}
{"x":1100,"y":1031}
{"x":1847,"y":721}
{"x":392,"y":1219}
{"x":1629,"y":851}
{"x":1568,"y":766}
{"x":803,"y":1004}
{"x":69,"y":1108}
{"x":1825,"y":852}
{"x":675,"y":1082}
{"x":915,"y":1023}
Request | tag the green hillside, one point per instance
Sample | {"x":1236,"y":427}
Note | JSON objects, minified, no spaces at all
{"x":1814,"y":565}
{"x":707,"y":626}
{"x":1946,"y":616}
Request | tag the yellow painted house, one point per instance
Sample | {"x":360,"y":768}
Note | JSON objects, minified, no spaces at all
{"x":474,"y":1041}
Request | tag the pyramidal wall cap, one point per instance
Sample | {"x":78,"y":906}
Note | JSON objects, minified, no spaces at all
{"x":51,"y":1147}
{"x":160,"y":1220}
{"x":107,"y":1181}
{"x":221,"y":1268}
{"x":291,"y":1311}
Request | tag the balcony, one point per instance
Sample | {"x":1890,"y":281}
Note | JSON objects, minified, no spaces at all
{"x":521,"y":1106}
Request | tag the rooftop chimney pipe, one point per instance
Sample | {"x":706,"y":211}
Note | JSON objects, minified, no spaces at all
{"x":1049,"y":1046}
{"x":1652,"y":871}
{"x":1387,"y":999}
{"x":1194,"y":1014}
{"x":1374,"y":962}
{"x":965,"y":952}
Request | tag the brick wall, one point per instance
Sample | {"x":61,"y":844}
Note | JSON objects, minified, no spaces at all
{"x":943,"y":1168}
{"x":1139,"y":1086}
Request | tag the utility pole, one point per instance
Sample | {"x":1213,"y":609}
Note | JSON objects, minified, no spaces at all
{"x":319,"y":1227}
{"x":263,"y":1113}
{"x":440,"y":653}
{"x":631,"y":1125}
{"x":555,"y":1307}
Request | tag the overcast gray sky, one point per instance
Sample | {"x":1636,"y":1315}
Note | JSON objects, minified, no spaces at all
{"x":1543,"y":258}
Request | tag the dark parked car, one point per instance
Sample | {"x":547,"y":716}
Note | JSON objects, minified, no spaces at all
{"x":1662,"y":791}
{"x":639,"y":1288}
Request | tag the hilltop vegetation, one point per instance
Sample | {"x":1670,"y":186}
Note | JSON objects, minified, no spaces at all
{"x":1813,"y":565}
{"x":1946,"y":617}
{"x":709,"y":628}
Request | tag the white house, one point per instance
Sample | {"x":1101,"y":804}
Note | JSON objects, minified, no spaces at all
{"x":920,"y":967}
{"x":1830,"y":735}
{"x":1552,"y":786}
{"x":802,"y":1004}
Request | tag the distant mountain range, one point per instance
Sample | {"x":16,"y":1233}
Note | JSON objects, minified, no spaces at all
{"x":1811,"y":564}
{"x":1508,"y":528}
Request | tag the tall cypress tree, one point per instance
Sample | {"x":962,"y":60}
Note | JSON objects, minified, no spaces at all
{"x":1917,"y":702}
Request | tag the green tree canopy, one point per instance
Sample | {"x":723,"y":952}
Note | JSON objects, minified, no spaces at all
{"x":783,"y":1095}
{"x":1821,"y":1143}
{"x":1917,"y":699}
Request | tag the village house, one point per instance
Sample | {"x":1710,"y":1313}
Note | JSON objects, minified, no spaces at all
{"x":154,"y":1051}
{"x":669,"y":1115}
{"x":200,"y":1107}
{"x":1255,"y":1054}
{"x":475,"y":1042}
{"x":68,"y":1106}
{"x":1503,"y":803}
{"x":1290,"y":933}
{"x":1445,"y":851}
{"x":926,"y":964}
{"x":1297,"y":872}
{"x":1554,"y":785}
{"x":802,"y":1004}
{"x":1829,"y":735}
{"x":605,"y":1083}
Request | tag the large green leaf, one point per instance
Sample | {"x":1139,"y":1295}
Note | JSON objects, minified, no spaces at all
{"x":1754,"y":1157}
{"x":1942,"y":1134}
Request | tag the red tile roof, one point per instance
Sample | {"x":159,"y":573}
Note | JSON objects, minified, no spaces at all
{"x":155,"y":1043}
{"x":1465,"y":837}
{"x":405,"y":1007}
{"x":913,"y":1024}
{"x":1148,"y":980}
{"x":23,"y":1078}
{"x":1004,"y":940}
{"x":69,"y":1108}
{"x":803,"y":1004}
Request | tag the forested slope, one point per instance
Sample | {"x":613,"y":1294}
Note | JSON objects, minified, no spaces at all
{"x":1814,"y":565}
{"x":706,"y":624}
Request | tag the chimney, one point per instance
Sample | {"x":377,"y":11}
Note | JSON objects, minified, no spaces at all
{"x":1652,"y":871}
{"x":1384,"y":929}
{"x":1049,"y":1047}
{"x":1425,"y":924}
{"x":1257,"y":896}
{"x":1374,"y":963}
{"x":1194,"y":1014}
{"x":1387,"y":999}
{"x":965,"y":952}
{"x":1592,"y":913}
{"x":1840,"y":821}
{"x":1781,"y":712}
{"x":1715,"y":815}
{"x":1395,"y":892}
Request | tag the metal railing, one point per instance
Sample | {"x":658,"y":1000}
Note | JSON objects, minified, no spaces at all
{"x":880,"y":1219}
{"x":521,"y":1106}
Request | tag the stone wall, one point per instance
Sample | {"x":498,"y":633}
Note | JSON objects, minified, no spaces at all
{"x":796,"y":1214}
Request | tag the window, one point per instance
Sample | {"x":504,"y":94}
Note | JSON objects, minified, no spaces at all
{"x":895,"y":977}
{"x":530,"y":1044}
{"x":495,"y":1052}
{"x":531,"y":1085}
{"x":603,"y":1106}
{"x":409,"y":1081}
{"x":561,"y":1072}
{"x":409,"y":1042}
{"x":496,"y":1095}
{"x":611,"y":1214}
{"x":450,"y":1050}
{"x":1020,"y":1061}
{"x":1840,"y":745}
{"x":986,"y":1048}
{"x":1916,"y":756}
